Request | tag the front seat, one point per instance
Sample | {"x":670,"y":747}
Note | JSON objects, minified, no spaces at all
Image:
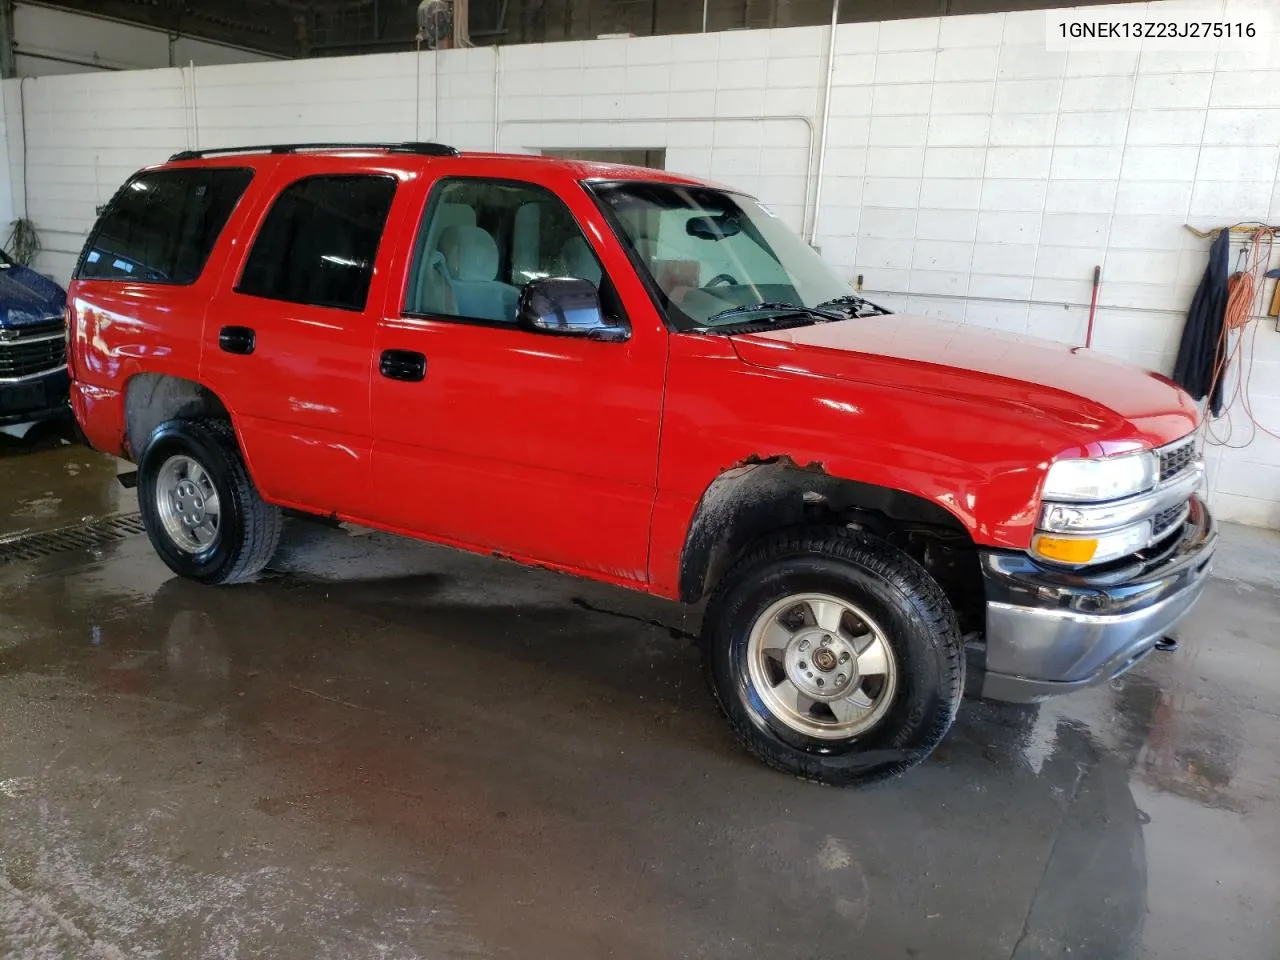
{"x":468,"y":262}
{"x":428,"y":292}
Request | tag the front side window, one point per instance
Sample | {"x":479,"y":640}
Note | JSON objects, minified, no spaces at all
{"x":161,"y":226}
{"x":319,"y":242}
{"x":708,"y":251}
{"x":481,"y":241}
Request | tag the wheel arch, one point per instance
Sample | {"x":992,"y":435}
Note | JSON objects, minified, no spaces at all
{"x":153,"y":398}
{"x":750,"y":501}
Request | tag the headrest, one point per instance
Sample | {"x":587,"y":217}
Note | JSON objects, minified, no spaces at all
{"x":449,"y":214}
{"x":469,"y":253}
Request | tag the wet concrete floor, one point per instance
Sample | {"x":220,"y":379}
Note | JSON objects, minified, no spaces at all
{"x":48,"y":481}
{"x":386,"y":749}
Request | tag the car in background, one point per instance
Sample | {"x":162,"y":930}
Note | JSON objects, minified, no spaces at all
{"x":34,"y":383}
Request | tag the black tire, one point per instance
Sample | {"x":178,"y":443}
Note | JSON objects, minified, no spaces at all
{"x":909,"y":606}
{"x":248,"y":529}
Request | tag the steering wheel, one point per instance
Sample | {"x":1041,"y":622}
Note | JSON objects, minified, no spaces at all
{"x":723,"y":279}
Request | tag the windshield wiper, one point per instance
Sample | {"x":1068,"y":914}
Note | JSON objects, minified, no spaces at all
{"x":784,"y":311}
{"x":858,"y":304}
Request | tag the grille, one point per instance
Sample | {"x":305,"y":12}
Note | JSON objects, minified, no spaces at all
{"x":36,"y":546}
{"x":1176,"y":458}
{"x":36,"y":350}
{"x":1166,"y":520}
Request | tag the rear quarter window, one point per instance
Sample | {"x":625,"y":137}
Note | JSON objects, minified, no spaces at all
{"x":162,"y":225}
{"x":318,"y":242}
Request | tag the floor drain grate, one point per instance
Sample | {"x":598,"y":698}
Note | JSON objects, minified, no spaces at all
{"x":35,"y":546}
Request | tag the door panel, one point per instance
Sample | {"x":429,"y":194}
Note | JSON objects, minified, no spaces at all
{"x":537,"y":446}
{"x":515,"y":442}
{"x":296,"y":374}
{"x":303,"y":411}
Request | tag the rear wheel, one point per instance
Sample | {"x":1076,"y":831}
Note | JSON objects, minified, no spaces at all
{"x":202,"y":512}
{"x":835,"y":656}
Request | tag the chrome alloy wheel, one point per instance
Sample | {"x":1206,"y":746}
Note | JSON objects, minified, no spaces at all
{"x":822,"y":666}
{"x":187,"y":502}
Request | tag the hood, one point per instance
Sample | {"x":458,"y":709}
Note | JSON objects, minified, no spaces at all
{"x":27,"y":298}
{"x":1111,"y":403}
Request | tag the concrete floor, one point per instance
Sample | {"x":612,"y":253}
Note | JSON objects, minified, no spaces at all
{"x":390,"y":750}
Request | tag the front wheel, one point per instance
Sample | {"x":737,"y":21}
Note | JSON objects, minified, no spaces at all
{"x":835,"y":656}
{"x":200,"y":508}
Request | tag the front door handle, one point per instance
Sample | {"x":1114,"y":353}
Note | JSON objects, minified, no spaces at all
{"x":237,"y":340}
{"x":407,"y":365}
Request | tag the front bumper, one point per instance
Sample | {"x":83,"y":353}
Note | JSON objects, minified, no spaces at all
{"x":41,"y":397}
{"x":1051,"y":632}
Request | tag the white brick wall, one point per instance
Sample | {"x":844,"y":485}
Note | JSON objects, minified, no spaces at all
{"x":968,"y":173}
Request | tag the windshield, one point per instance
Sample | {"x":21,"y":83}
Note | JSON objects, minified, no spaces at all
{"x":709,"y":251}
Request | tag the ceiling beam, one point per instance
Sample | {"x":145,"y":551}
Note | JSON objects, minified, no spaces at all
{"x":265,"y":25}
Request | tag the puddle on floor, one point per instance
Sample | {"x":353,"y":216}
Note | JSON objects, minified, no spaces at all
{"x":47,"y":480}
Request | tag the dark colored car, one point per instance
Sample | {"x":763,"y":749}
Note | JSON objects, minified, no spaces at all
{"x":33,"y":362}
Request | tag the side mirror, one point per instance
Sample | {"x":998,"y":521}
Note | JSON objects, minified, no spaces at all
{"x":568,"y":307}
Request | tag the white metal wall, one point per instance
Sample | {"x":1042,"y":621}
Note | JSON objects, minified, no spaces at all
{"x":969,"y":174}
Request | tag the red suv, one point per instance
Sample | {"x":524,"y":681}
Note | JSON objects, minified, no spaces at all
{"x":648,"y":380}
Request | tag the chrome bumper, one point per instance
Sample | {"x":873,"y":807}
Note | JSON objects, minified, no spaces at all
{"x":1050,"y":632}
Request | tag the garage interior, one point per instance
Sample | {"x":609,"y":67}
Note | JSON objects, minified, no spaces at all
{"x":389,"y":749}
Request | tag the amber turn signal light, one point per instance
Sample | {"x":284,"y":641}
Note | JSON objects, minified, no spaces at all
{"x":1071,"y":550}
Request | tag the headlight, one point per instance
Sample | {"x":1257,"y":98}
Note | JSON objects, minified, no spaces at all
{"x":1077,"y":551}
{"x":1107,"y":478}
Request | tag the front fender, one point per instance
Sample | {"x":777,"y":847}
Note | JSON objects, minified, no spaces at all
{"x":978,"y":464}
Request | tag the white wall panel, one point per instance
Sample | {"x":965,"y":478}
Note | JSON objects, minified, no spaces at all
{"x":1082,"y":196}
{"x":963,"y":98}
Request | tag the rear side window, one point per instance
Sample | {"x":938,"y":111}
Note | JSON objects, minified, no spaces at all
{"x":161,"y":226}
{"x":319,"y":241}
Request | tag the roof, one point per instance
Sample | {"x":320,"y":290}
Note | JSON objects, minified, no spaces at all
{"x":439,"y":153}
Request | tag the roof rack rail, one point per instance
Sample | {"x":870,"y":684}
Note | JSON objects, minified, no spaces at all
{"x":426,"y":149}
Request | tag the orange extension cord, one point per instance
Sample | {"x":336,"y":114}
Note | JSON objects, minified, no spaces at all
{"x":1238,"y":326}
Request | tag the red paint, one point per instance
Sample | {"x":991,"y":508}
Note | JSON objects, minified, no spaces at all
{"x":586,"y":456}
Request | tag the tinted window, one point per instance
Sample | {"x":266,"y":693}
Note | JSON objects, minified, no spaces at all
{"x":482,"y":240}
{"x":319,"y":241}
{"x":161,"y":226}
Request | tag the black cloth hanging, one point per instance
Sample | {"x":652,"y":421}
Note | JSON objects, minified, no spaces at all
{"x":1202,"y":335}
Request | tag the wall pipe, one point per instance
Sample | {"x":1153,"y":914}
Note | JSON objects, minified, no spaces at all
{"x":22,"y":112}
{"x":826,"y":121}
{"x":71,"y":60}
{"x":186,"y":108}
{"x":497,"y":91}
{"x":195,"y":108}
{"x":1060,"y":304}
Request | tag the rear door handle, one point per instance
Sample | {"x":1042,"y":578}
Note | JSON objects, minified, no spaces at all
{"x":407,"y":365}
{"x":237,"y":340}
